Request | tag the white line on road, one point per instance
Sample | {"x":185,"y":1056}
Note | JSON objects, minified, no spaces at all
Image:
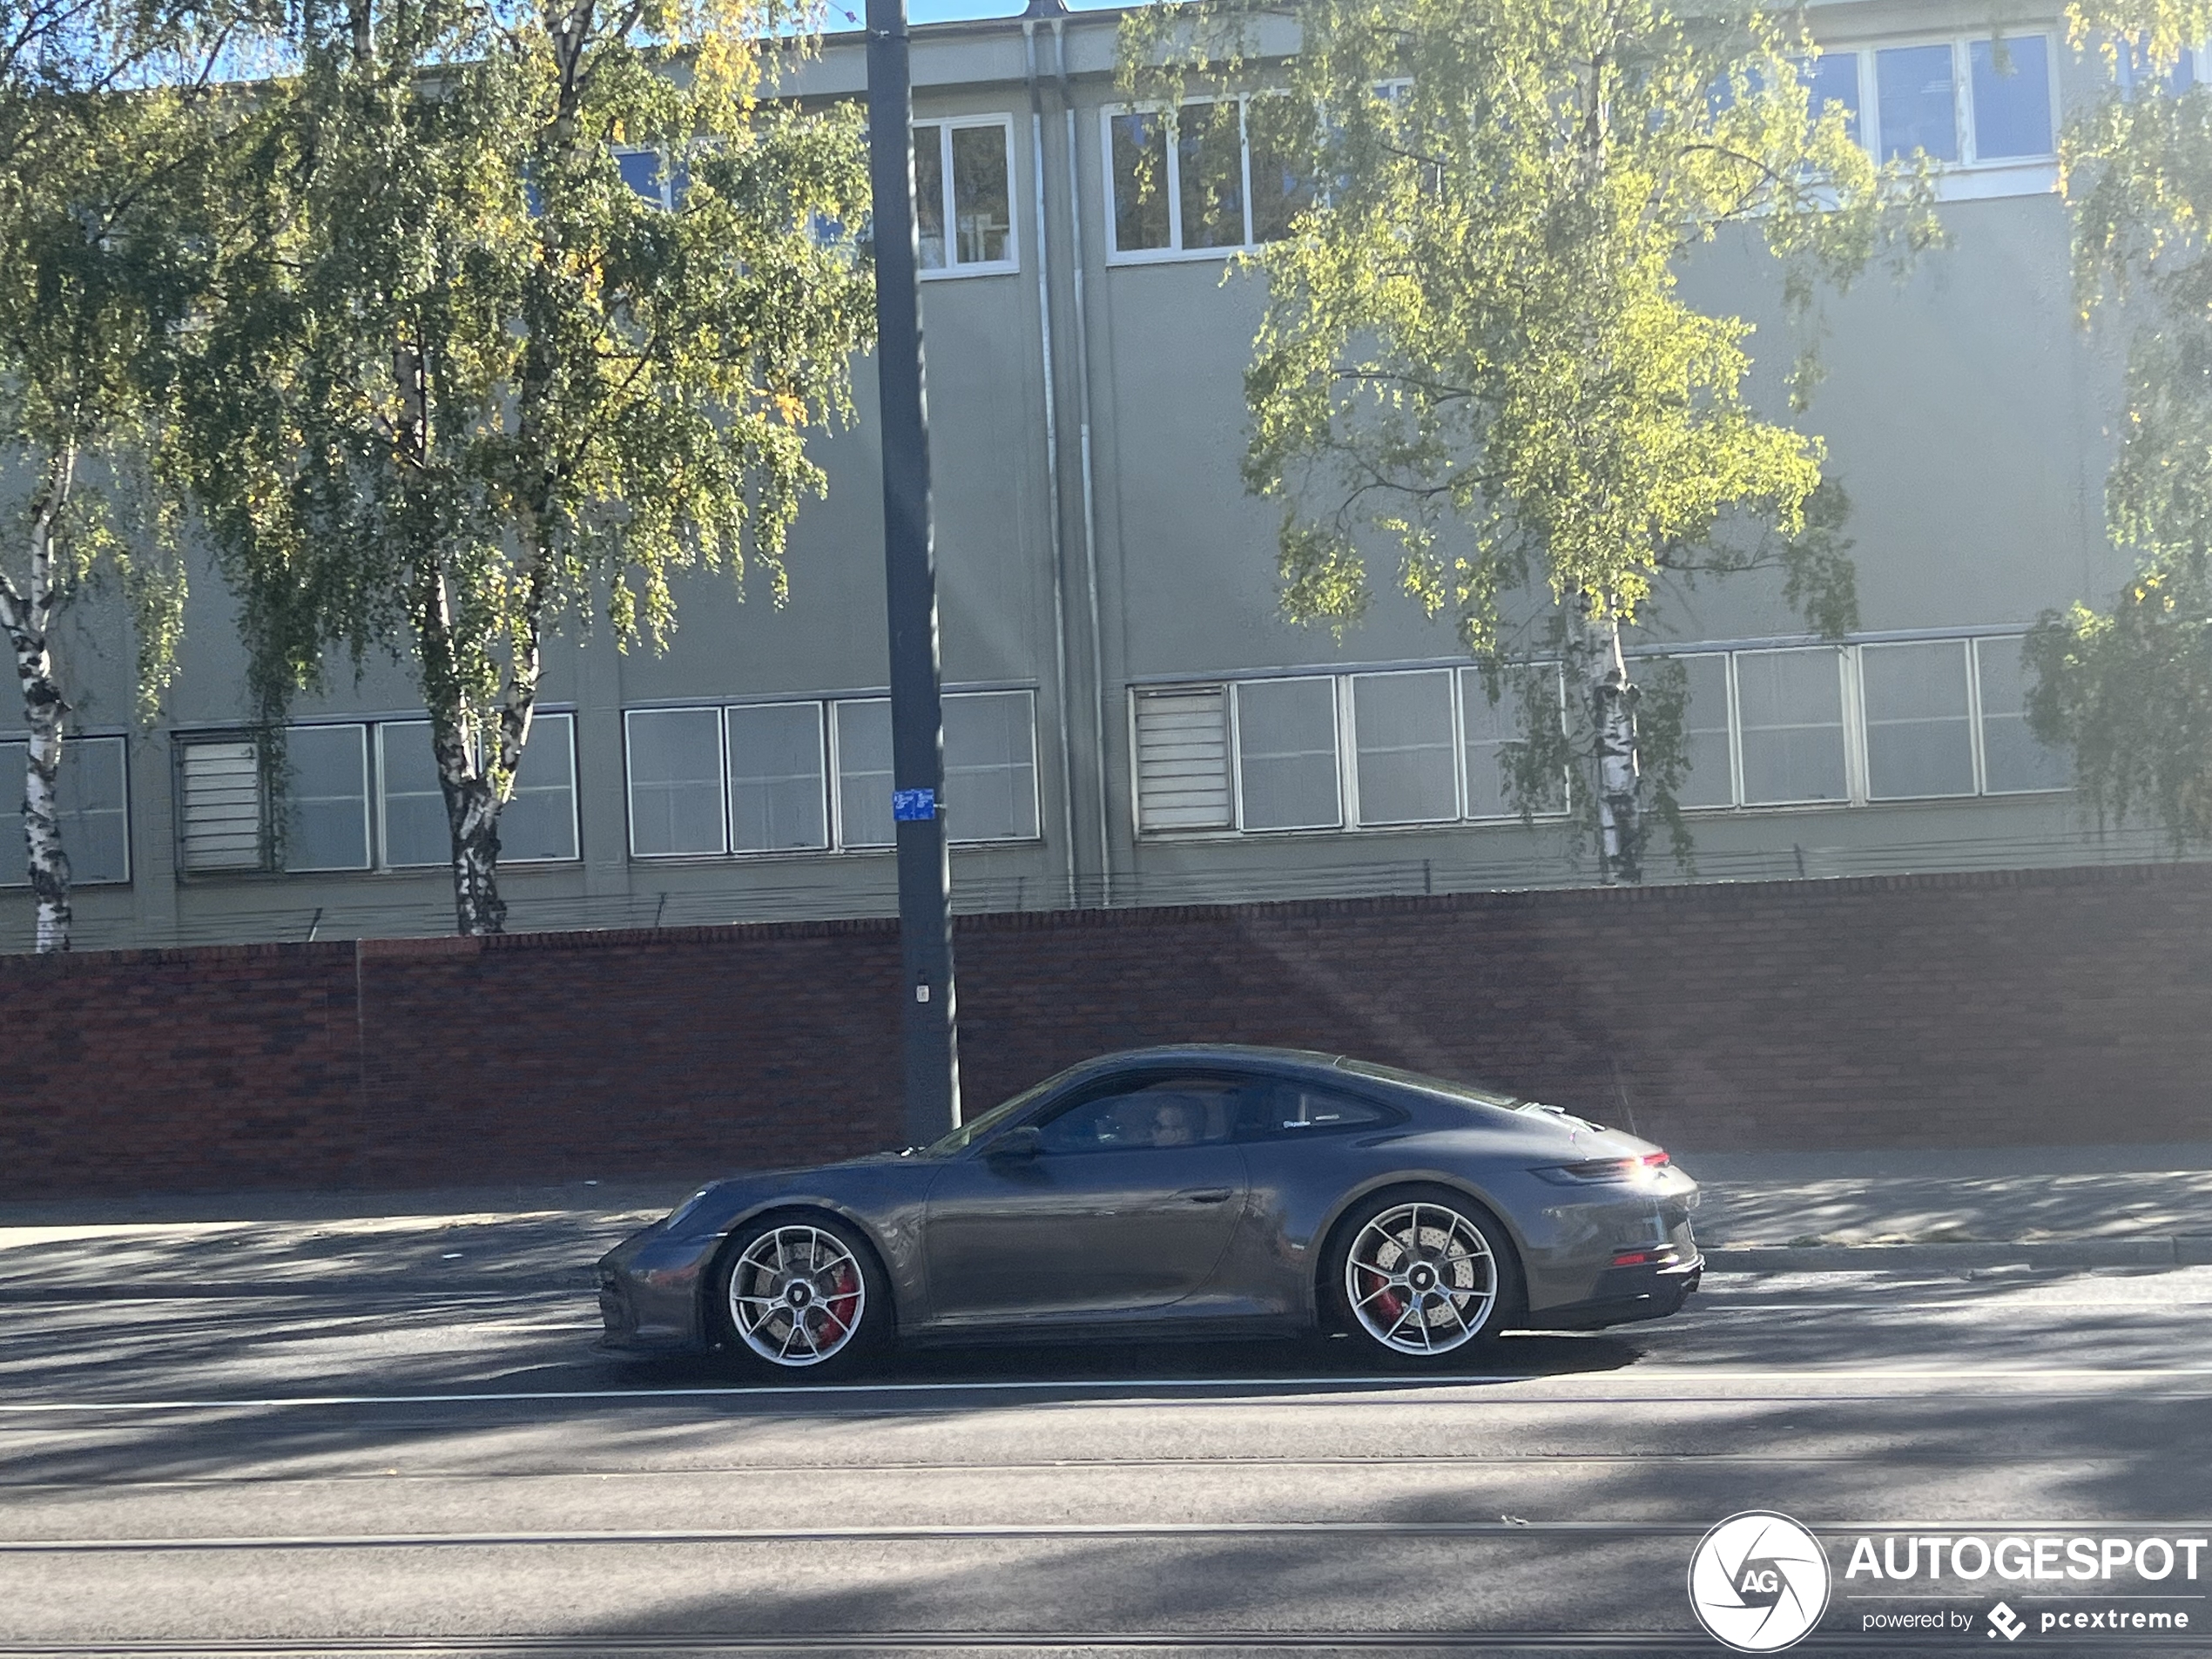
{"x":1421,"y":1386}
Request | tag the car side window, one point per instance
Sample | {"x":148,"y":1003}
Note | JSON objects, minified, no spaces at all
{"x":1289,"y":1109}
{"x":1158,"y":1112}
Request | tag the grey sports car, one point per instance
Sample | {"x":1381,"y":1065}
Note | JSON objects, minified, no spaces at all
{"x":1201,"y":1191}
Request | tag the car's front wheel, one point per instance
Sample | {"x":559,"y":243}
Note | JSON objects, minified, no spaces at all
{"x":802,"y":1295}
{"x":1420,"y":1273}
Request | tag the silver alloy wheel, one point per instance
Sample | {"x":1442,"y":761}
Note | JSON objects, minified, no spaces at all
{"x":1420,"y":1279}
{"x":796,"y":1295}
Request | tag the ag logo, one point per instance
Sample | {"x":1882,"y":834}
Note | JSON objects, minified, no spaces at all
{"x":1758,"y":1581}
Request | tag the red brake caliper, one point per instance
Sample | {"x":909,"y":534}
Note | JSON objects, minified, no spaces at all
{"x":844,"y":1299}
{"x":1389,"y":1301}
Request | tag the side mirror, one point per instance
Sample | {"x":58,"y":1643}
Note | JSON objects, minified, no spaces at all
{"x":1016,"y":1145}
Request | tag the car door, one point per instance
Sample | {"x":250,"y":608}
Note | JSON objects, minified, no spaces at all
{"x":1133,"y":1191}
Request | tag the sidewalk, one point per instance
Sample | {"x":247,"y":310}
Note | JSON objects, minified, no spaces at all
{"x":1761,"y":1213}
{"x":2079,"y":1206}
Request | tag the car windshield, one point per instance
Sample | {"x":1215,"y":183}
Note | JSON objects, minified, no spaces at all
{"x":975,"y":1128}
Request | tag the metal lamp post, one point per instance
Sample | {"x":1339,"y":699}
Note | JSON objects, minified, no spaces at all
{"x":930,"y":1018}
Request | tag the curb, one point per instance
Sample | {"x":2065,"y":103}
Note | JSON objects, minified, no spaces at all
{"x":2182,"y":1249}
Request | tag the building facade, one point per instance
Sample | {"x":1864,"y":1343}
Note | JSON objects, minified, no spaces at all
{"x":1129,"y":717}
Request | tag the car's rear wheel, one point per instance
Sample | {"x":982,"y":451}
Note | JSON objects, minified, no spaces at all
{"x":1420,"y":1274}
{"x":802,"y":1295}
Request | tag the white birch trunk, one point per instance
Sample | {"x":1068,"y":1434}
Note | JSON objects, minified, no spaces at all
{"x":1620,"y":814}
{"x":476,"y":786}
{"x":27,"y":615}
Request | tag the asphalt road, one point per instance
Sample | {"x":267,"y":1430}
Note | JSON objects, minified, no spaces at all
{"x":211,"y":1444}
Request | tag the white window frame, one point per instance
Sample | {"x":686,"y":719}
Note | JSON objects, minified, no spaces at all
{"x":1037,"y":802}
{"x":1337,"y":693}
{"x":380,"y":771}
{"x":832,"y":776}
{"x":370,"y":795}
{"x":1171,"y":183}
{"x":1193,"y":832}
{"x":1863,"y":794}
{"x":1969,"y":177}
{"x":826,"y":741}
{"x":1981,"y":758}
{"x":954,"y":266}
{"x":721,"y":775}
{"x":1464,"y":674}
{"x":1731,"y":728}
{"x":1348,"y":721}
{"x":72,"y":743}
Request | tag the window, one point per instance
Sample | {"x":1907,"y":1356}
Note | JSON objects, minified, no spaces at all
{"x":963,"y":201}
{"x":1710,"y":778}
{"x":1215,"y":186}
{"x":1963,"y":101}
{"x":676,"y":782}
{"x":326,"y":804}
{"x":641,"y":171}
{"x":1280,"y":191}
{"x":221,"y":823}
{"x":1164,"y":1113}
{"x":1832,"y":77}
{"x":1182,"y":748}
{"x":2012,"y":761}
{"x":538,"y":823}
{"x":91,"y":798}
{"x":1286,"y":754}
{"x":1789,"y":713}
{"x":778,"y":803}
{"x":1919,"y":720}
{"x":1490,"y":728}
{"x":1402,"y":738}
{"x":864,"y":773}
{"x":2012,"y":98}
{"x":416,"y":832}
{"x":990,"y":767}
{"x":1290,"y":1111}
{"x":1918,"y":102}
{"x":810,"y":776}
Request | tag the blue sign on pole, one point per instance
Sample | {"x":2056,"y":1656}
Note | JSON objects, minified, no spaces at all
{"x":914,"y":805}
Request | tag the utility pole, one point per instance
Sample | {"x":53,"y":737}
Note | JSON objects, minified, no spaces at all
{"x":930,"y":1018}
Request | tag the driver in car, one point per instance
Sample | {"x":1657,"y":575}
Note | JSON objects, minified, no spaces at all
{"x":1174,"y":1124}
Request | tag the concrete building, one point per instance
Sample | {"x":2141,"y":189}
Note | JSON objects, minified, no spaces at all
{"x":1130,"y":720}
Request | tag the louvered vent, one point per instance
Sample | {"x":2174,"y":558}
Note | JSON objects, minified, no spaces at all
{"x":1182,"y":759}
{"x":221,"y":807}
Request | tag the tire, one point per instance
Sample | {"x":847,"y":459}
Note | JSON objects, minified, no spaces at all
{"x":1421,"y":1276}
{"x":800,"y":1297}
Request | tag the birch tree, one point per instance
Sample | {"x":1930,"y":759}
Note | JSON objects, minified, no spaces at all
{"x":2126,"y":686}
{"x":1475,"y":354}
{"x":107,"y":120}
{"x":470,"y":383}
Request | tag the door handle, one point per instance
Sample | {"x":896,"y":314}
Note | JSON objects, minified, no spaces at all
{"x":1203,"y":1194}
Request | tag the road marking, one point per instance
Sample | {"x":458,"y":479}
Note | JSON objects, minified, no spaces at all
{"x":854,"y":1534}
{"x":1424,"y":1385}
{"x":922,"y":1532}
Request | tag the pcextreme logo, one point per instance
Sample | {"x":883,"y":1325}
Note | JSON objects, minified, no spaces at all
{"x":1758,"y":1581}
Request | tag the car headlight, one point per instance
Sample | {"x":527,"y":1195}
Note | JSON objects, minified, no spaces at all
{"x":1602,"y":1171}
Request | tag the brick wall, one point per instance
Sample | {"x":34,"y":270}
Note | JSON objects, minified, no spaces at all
{"x":2047,"y":1007}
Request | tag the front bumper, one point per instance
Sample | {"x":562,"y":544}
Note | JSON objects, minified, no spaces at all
{"x":1623,"y":1296}
{"x":650,"y":1296}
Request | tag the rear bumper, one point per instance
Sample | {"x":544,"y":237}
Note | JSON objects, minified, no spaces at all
{"x":1623,"y":1296}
